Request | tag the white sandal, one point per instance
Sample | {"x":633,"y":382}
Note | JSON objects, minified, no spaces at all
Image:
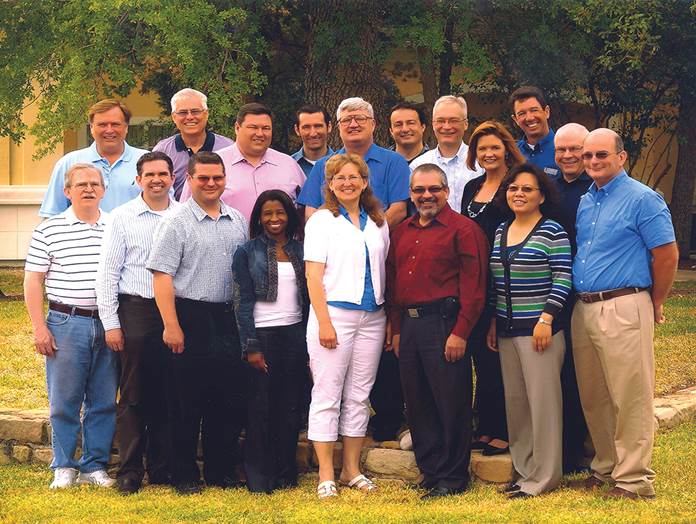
{"x":327,"y":489}
{"x":361,"y":482}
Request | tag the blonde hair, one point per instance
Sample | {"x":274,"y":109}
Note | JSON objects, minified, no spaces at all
{"x":368,"y":201}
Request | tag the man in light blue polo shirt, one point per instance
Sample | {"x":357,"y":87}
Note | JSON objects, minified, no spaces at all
{"x":623,"y":271}
{"x":531,"y":113}
{"x":108,"y":124}
{"x":312,"y":125}
{"x":389,"y":171}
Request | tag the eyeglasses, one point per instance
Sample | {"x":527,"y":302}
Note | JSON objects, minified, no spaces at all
{"x":572,"y":149}
{"x":359,"y":119}
{"x":433,"y":190}
{"x":600,"y":155}
{"x":450,"y":121}
{"x":84,"y":185}
{"x":525,"y":189}
{"x":192,"y":112}
{"x":341,"y":179}
{"x":205,"y":179}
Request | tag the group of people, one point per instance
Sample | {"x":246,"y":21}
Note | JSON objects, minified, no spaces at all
{"x":212,"y":282}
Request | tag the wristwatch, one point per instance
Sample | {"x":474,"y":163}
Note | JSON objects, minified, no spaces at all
{"x":542,"y":321}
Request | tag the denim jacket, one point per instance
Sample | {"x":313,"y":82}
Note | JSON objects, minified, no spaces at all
{"x":255,"y":272}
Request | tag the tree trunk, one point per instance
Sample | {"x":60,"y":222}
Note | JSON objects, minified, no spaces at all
{"x":345,"y":58}
{"x":685,"y":175}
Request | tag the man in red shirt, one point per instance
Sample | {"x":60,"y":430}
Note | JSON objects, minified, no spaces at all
{"x":436,"y":290}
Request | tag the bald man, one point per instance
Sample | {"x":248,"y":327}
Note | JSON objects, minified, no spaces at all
{"x":622,"y":273}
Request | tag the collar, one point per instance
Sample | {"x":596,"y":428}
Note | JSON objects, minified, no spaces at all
{"x":461,"y":153}
{"x":95,"y":157}
{"x":208,"y":144}
{"x":443,"y":218}
{"x":344,"y":213}
{"x":236,"y":156}
{"x":582,"y":177}
{"x":373,"y":153}
{"x":200,"y":214}
{"x":299,"y":154}
{"x":140,"y":206}
{"x":72,"y":219}
{"x":543,"y":143}
{"x":611,"y":185}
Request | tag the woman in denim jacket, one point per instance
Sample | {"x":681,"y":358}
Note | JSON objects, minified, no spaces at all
{"x":271,"y":301}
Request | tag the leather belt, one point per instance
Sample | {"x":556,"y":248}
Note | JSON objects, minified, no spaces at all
{"x":598,"y":296}
{"x":74,"y":310}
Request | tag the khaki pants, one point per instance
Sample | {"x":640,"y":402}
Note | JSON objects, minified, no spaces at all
{"x":614,"y":361}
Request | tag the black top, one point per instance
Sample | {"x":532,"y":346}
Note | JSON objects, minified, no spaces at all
{"x":569,"y":194}
{"x":491,"y":217}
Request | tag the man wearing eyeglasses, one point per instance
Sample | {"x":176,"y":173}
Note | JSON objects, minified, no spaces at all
{"x":109,"y":153}
{"x":623,"y":270}
{"x":190,"y":116}
{"x":436,"y":290}
{"x":450,"y":122}
{"x":531,"y":114}
{"x":251,"y":165}
{"x":191,"y":262}
{"x":388,"y":170}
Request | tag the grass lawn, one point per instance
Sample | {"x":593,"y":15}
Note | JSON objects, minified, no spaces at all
{"x":24,"y":497}
{"x":22,"y":379}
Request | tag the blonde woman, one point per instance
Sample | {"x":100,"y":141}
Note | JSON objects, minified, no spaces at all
{"x":346,"y":244}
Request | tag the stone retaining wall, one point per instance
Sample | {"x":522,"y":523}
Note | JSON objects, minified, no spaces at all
{"x":25,"y":438}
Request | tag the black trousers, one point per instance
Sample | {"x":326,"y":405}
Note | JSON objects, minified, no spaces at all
{"x":387,"y":399}
{"x":209,"y":386}
{"x":438,"y":400}
{"x":574,"y":426}
{"x":143,"y":421}
{"x":489,"y":398}
{"x":274,"y":408}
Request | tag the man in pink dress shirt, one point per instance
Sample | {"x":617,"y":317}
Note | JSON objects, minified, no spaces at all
{"x":252,"y":166}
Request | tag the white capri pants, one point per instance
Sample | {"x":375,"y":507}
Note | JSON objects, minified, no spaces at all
{"x":343,"y":377}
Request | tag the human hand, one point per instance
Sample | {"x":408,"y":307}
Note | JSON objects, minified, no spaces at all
{"x":257,"y":361}
{"x":114,"y":339}
{"x":455,"y":347}
{"x":173,"y":337}
{"x":327,"y":336}
{"x":492,"y":336}
{"x":44,"y":342}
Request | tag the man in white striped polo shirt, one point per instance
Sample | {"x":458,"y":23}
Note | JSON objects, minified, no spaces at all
{"x":80,"y":369}
{"x":134,"y":327}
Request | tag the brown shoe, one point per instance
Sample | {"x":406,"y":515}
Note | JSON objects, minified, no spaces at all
{"x":589,"y":483}
{"x":620,"y":493}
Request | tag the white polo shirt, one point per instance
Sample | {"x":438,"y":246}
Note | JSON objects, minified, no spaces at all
{"x":337,"y":243}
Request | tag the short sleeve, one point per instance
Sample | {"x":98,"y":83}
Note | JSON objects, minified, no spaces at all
{"x":38,"y":258}
{"x":397,"y":180}
{"x":55,"y":201}
{"x":316,"y":242}
{"x":167,"y":248}
{"x":311,"y":190}
{"x":654,"y":220}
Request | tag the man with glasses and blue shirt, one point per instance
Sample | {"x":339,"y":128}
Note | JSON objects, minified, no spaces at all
{"x":190,"y":116}
{"x":110,"y":153}
{"x":388,"y":170}
{"x":623,"y":270}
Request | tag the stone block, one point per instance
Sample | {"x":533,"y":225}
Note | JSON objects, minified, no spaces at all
{"x":21,"y":454}
{"x":14,"y":427}
{"x":496,"y":469}
{"x":392,"y":463}
{"x":390,"y":444}
{"x":42,"y":455}
{"x":4,"y":458}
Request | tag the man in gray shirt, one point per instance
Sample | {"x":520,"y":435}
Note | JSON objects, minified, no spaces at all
{"x":191,"y":261}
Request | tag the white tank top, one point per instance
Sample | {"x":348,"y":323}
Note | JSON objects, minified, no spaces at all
{"x":286,"y":309}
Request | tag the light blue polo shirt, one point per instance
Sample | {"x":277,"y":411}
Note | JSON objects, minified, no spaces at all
{"x":119,"y":179}
{"x":389,"y":173}
{"x":617,"y":226}
{"x":306,"y":165}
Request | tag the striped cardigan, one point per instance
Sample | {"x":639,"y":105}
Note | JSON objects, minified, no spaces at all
{"x":534,"y":279}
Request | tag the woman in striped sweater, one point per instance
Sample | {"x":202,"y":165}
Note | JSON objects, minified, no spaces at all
{"x":531,"y":269}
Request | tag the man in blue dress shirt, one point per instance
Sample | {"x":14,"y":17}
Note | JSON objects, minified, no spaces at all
{"x":108,"y":124}
{"x":389,"y":172}
{"x":622,"y":272}
{"x":531,"y":113}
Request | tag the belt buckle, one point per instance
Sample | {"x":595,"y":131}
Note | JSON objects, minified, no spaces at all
{"x":413,"y":312}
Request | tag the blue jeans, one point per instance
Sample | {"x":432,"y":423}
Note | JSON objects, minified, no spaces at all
{"x":83,"y":370}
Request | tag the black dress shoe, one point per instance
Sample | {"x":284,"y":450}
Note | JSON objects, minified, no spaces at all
{"x":478,"y":444}
{"x":128,"y":486}
{"x":225,"y":483}
{"x":439,"y":491}
{"x":188,"y":488}
{"x":490,"y":451}
{"x":427,"y":484}
{"x":510,"y":488}
{"x":519,"y":495}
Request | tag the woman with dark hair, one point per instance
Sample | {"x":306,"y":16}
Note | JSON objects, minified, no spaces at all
{"x":346,"y":244}
{"x":531,"y":268}
{"x":492,"y":146}
{"x":270,"y":301}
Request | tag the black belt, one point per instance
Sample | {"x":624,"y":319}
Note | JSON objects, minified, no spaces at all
{"x":134,"y":298}
{"x":446,"y":307}
{"x":598,"y":296}
{"x":74,"y":310}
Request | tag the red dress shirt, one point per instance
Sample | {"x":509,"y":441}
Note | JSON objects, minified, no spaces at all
{"x":447,"y":258}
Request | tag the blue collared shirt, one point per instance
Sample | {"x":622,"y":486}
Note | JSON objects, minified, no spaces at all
{"x":543,"y":154}
{"x":119,"y":178}
{"x":305,"y":164}
{"x":368,"y":301}
{"x":617,"y":225}
{"x":389,"y":174}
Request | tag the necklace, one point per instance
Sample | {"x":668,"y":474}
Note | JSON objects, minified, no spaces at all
{"x":471,"y":212}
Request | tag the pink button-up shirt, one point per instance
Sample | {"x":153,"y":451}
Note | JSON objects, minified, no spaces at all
{"x":245,"y":182}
